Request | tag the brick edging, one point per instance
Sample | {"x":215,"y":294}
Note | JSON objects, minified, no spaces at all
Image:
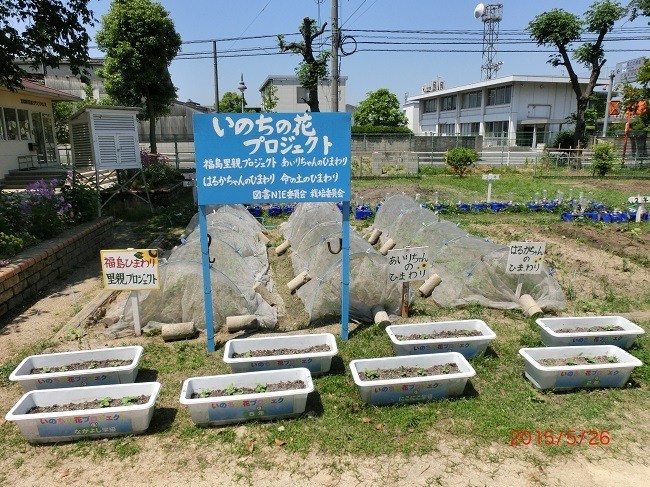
{"x":36,"y":267}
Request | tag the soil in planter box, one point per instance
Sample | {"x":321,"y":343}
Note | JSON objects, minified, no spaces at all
{"x":282,"y":351}
{"x":402,"y":372}
{"x":234,"y":390}
{"x":577,"y":360}
{"x":441,"y":334}
{"x":584,"y":329}
{"x":106,"y":402}
{"x":89,"y":364}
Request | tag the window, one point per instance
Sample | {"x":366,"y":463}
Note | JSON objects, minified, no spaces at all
{"x":446,"y":129}
{"x":302,"y":94}
{"x":23,"y":125}
{"x":11,"y":122}
{"x":470,"y":128}
{"x":448,"y":103}
{"x":500,"y":95}
{"x":472,"y":99}
{"x":3,"y":136}
{"x":496,"y":129}
{"x":429,"y":106}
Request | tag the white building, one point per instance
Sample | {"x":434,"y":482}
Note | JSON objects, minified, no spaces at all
{"x":513,"y":110}
{"x":291,"y":95}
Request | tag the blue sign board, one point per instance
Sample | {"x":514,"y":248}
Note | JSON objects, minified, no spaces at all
{"x":272,"y":157}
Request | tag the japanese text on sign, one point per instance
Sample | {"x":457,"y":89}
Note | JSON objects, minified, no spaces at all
{"x":639,"y":199}
{"x":525,"y":257}
{"x":131,"y":270}
{"x":272,"y":157}
{"x":410,"y":264}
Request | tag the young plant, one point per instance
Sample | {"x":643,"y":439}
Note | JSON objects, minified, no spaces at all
{"x":63,"y":368}
{"x":609,"y":328}
{"x":205,"y":393}
{"x":232,"y":390}
{"x":371,"y":374}
{"x":247,"y":354}
{"x":571,"y":362}
{"x":402,"y":371}
{"x":260,"y":388}
{"x":115,"y":363}
{"x":92,"y":365}
{"x":612,"y":360}
{"x":106,"y":402}
{"x":422,"y":371}
{"x":446,"y":369}
{"x":590,"y":360}
{"x":129,"y":400}
{"x":46,"y":369}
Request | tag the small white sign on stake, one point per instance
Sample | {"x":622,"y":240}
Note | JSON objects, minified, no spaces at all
{"x":410,"y":264}
{"x":525,"y":257}
{"x":131,"y":270}
{"x":639,"y":200}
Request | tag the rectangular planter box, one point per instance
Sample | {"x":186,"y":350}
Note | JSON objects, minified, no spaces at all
{"x":469,"y":347}
{"x":84,"y":423}
{"x":412,"y":389}
{"x":317,"y":363}
{"x":571,"y":376}
{"x":243,"y":407}
{"x":623,"y":338}
{"x":124,"y":374}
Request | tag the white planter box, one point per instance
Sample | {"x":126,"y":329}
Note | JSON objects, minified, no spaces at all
{"x":84,"y":423}
{"x":572,"y":376}
{"x":622,"y":338}
{"x":469,"y":347}
{"x":412,"y":389}
{"x":124,"y":374}
{"x":243,"y":407}
{"x":317,"y":363}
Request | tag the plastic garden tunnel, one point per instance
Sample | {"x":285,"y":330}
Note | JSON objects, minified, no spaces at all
{"x":309,"y":230}
{"x":472,"y":269}
{"x":240,"y":262}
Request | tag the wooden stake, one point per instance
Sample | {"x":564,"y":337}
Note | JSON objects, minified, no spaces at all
{"x":405,"y":304}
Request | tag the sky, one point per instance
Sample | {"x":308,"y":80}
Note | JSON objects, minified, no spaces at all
{"x":401,"y":72}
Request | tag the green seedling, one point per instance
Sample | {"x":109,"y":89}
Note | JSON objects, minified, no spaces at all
{"x":205,"y":393}
{"x":571,"y":362}
{"x":116,"y":363}
{"x":260,"y":388}
{"x":446,"y":369}
{"x":63,"y":368}
{"x":129,"y":400}
{"x":92,"y":365}
{"x":232,"y":390}
{"x":106,"y":402}
{"x":46,"y":369}
{"x":371,"y":374}
{"x":421,"y":371}
{"x":247,"y":354}
{"x":590,"y":360}
{"x":612,"y":360}
{"x":402,"y":371}
{"x":609,"y":328}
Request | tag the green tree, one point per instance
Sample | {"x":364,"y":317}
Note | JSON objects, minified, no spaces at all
{"x":270,"y":98}
{"x":312,"y":68}
{"x":63,"y":110}
{"x":140,"y":42}
{"x":231,"y":103}
{"x":640,"y":8}
{"x":559,"y":29}
{"x":51,"y":31}
{"x":380,"y":108}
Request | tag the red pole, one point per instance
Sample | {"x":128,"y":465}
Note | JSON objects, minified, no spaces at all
{"x":627,"y":133}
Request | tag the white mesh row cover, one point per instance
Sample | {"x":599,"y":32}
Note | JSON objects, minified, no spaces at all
{"x":472,"y":269}
{"x":308,"y":230}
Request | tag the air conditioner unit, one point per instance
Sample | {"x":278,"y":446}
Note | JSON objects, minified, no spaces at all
{"x":426,"y":89}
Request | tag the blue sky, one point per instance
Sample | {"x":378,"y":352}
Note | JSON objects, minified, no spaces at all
{"x":401,"y":72}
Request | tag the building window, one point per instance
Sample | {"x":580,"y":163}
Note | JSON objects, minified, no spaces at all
{"x":429,"y":106}
{"x":472,"y":99}
{"x":3,"y":134}
{"x":11,"y":122}
{"x":23,"y":125}
{"x":448,"y":103}
{"x":500,"y":95}
{"x":470,"y":128}
{"x":446,"y":129}
{"x":496,"y":129}
{"x":302,"y":94}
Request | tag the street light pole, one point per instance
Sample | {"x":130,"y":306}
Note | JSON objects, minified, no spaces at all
{"x":609,"y":99}
{"x":242,"y":88}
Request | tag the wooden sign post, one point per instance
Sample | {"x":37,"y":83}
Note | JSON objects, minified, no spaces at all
{"x":489,"y":178}
{"x":406,"y":265}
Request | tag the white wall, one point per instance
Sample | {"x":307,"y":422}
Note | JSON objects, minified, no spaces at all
{"x":287,"y":93}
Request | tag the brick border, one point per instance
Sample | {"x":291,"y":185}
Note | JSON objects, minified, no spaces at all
{"x":35,"y":268}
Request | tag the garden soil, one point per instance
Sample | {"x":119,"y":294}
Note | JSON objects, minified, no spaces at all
{"x":170,"y":461}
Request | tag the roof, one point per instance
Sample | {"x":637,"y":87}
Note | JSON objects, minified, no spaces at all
{"x":46,"y":92}
{"x":286,"y":77}
{"x":514,"y":78}
{"x":89,"y":108}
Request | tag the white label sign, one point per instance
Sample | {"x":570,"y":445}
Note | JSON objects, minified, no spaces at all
{"x":639,"y":199}
{"x":525,"y":257}
{"x":130,"y":270}
{"x":189,"y":184}
{"x":410,"y":264}
{"x":490,"y":177}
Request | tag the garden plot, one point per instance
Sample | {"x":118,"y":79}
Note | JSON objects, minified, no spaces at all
{"x":472,"y":269}
{"x":240,"y":262}
{"x":314,"y":232}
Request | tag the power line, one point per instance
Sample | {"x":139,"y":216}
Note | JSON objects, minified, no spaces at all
{"x":352,"y":14}
{"x":251,"y":23}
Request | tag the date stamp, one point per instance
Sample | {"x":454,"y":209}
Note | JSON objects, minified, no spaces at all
{"x":569,"y":437}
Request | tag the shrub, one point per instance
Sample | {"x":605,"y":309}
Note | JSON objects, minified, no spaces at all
{"x":11,"y":244}
{"x":460,"y":159}
{"x":380,"y":129}
{"x":564,"y":139}
{"x":157,"y":172}
{"x":47,"y":210}
{"x":83,"y":199}
{"x":604,"y":159}
{"x":12,"y":214}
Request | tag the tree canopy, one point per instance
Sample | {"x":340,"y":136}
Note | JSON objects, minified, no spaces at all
{"x":53,"y":30}
{"x":559,"y":29}
{"x":140,"y":42}
{"x":312,"y":68}
{"x":380,"y":108}
{"x":230,"y":102}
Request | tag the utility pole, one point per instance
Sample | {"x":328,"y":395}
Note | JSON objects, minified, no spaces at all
{"x":609,"y":99}
{"x":216,"y":76}
{"x":335,"y":56}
